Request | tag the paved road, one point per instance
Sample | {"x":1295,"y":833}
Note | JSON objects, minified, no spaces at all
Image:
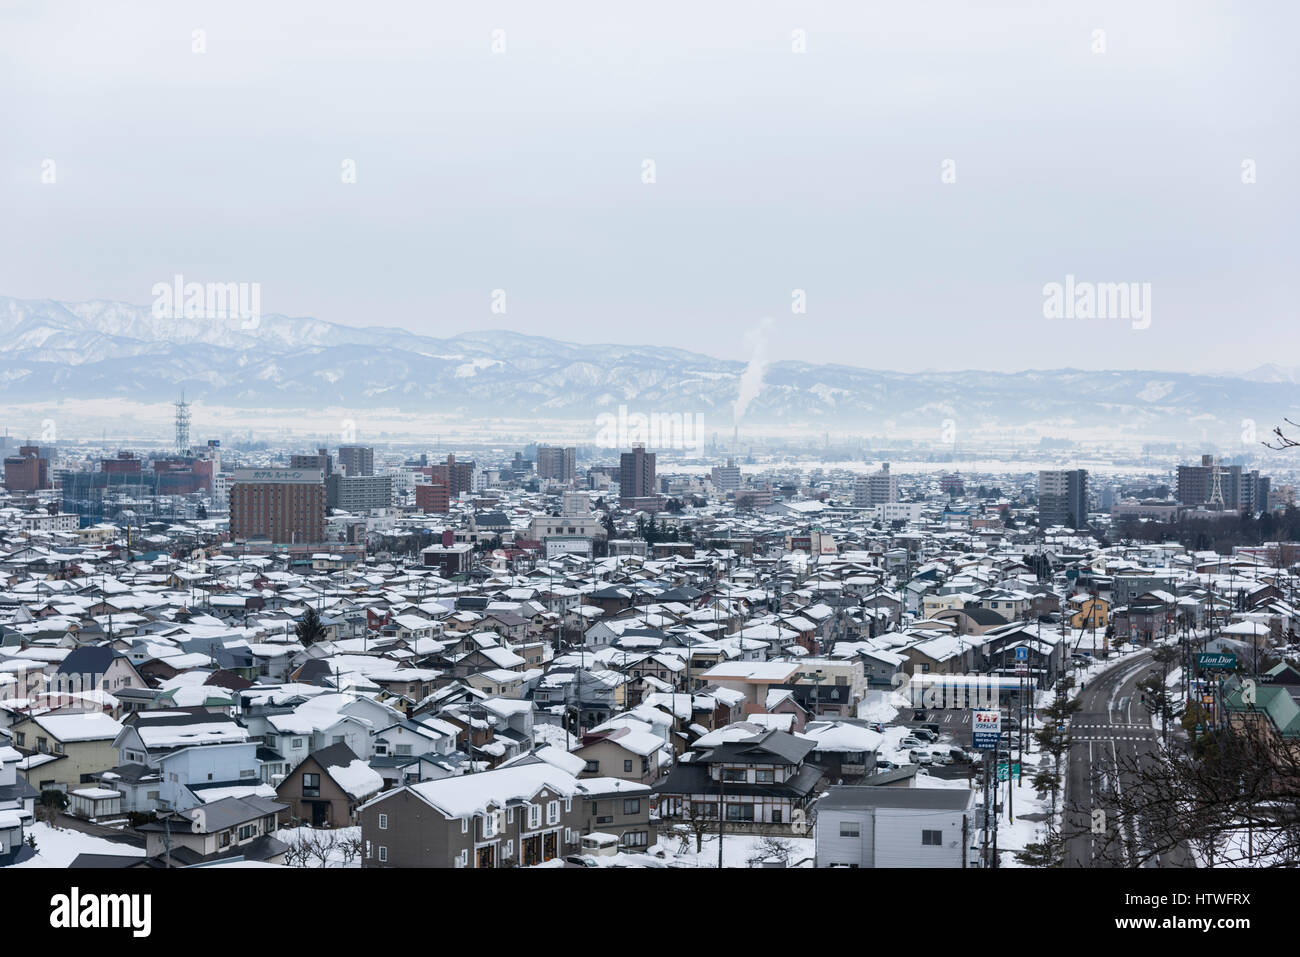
{"x":1109,"y":733}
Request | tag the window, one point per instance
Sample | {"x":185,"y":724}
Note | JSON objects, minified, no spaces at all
{"x":247,"y":831}
{"x":849,"y":829}
{"x":338,"y":739}
{"x":733,"y":774}
{"x":534,"y":816}
{"x":404,"y":750}
{"x":383,"y":853}
{"x":593,"y":767}
{"x":740,"y":812}
{"x":553,"y":812}
{"x":932,"y":838}
{"x":383,"y":822}
{"x":297,"y":743}
{"x":490,"y":823}
{"x":627,"y":767}
{"x":20,"y":739}
{"x":631,"y":805}
{"x":636,"y":838}
{"x":247,"y":773}
{"x":224,"y":839}
{"x":381,"y":748}
{"x":765,"y":777}
{"x":311,"y":785}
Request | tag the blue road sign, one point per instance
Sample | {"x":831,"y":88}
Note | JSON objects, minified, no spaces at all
{"x":1022,"y":653}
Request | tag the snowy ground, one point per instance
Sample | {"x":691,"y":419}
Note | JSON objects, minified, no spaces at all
{"x":334,"y":856}
{"x":59,"y":846}
{"x":737,"y":849}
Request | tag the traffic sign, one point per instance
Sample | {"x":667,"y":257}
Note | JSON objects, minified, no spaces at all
{"x":986,"y":727}
{"x":1002,"y":770}
{"x":1022,"y":653}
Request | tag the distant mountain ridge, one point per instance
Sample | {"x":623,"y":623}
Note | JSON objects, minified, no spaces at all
{"x":100,"y":349}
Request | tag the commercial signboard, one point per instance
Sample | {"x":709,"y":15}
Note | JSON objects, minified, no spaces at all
{"x":986,"y":727}
{"x":1217,"y":659}
{"x":280,"y":476}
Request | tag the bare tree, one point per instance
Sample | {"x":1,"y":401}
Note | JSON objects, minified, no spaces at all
{"x":1233,"y":796}
{"x":769,"y":848}
{"x":1284,"y":441}
{"x":350,"y":848}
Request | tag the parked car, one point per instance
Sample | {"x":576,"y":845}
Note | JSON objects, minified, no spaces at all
{"x":877,"y":727}
{"x":886,"y":766}
{"x":918,"y":714}
{"x":960,"y":757}
{"x":942,"y":757}
{"x":580,"y":860}
{"x":920,"y":757}
{"x":931,"y":727}
{"x":911,"y":742}
{"x":924,"y":735}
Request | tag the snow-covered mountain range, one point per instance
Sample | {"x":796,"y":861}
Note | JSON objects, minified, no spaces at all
{"x":55,"y":350}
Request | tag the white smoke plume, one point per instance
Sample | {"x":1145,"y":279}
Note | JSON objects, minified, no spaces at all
{"x":751,"y":380}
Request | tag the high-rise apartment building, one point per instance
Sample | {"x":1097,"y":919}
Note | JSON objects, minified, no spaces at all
{"x":875,"y":489}
{"x":1238,"y":488}
{"x":358,"y":493}
{"x":286,"y":506}
{"x":726,"y":478}
{"x":1063,"y":498}
{"x":636,"y":474}
{"x":558,"y":463}
{"x":356,"y":460}
{"x":321,"y":460}
{"x":457,"y":476}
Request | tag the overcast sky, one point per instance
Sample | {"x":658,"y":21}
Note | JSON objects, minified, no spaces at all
{"x":775,"y":170}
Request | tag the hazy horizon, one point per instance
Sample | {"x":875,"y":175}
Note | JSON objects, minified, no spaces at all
{"x":775,"y":171}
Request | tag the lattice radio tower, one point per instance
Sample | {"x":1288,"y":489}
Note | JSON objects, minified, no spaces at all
{"x":1216,"y":490}
{"x":182,"y":425}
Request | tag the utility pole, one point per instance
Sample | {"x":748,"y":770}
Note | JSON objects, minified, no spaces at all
{"x":722,"y":785}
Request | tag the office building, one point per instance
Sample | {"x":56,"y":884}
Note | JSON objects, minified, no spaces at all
{"x":27,"y":471}
{"x":432,"y":499}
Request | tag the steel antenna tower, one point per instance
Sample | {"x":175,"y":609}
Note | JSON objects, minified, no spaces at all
{"x":1216,"y":491}
{"x":182,"y":425}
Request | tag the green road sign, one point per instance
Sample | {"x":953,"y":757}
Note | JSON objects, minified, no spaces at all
{"x":1002,"y":770}
{"x":1214,"y":659}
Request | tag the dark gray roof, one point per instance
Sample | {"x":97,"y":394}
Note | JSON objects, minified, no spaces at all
{"x":88,"y":660}
{"x":335,"y":756}
{"x":778,"y":744}
{"x":854,"y":797}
